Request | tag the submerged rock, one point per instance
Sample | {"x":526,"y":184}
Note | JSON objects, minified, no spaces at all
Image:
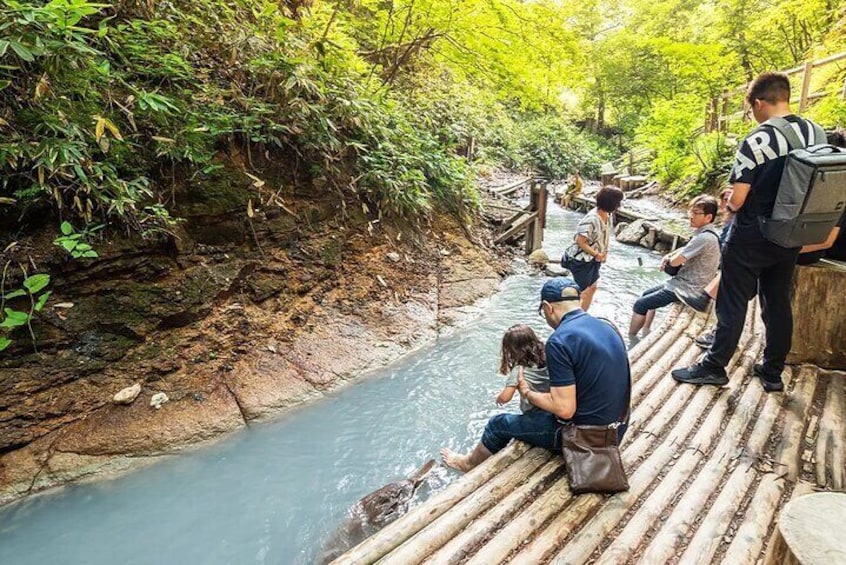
{"x":158,"y":399}
{"x":127,"y":395}
{"x":538,"y":257}
{"x":633,"y":233}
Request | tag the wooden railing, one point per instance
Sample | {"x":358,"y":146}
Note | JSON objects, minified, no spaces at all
{"x":717,"y":115}
{"x":525,"y":222}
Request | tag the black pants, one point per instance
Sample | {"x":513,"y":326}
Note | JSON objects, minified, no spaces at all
{"x":750,"y":265}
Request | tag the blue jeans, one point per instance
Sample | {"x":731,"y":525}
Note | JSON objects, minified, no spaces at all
{"x":654,"y":298}
{"x":535,"y":427}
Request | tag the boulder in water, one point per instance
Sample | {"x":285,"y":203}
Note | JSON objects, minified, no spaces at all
{"x":538,"y":258}
{"x":374,"y":512}
{"x":127,"y":395}
{"x":620,"y":227}
{"x":556,"y":270}
{"x":633,"y":232}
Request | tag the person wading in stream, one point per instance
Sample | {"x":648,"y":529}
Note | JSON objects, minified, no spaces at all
{"x":590,"y":243}
{"x":588,"y":379}
{"x":750,"y":262}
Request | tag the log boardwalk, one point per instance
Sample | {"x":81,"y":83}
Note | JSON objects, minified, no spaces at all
{"x":709,"y":470}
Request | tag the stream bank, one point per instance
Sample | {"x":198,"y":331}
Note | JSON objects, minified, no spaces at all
{"x":235,"y":320}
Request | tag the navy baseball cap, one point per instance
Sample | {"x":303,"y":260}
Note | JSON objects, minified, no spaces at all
{"x":553,"y":290}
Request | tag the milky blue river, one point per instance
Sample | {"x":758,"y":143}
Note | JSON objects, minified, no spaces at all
{"x":271,"y":494}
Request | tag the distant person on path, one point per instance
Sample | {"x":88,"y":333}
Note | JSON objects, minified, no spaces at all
{"x":574,"y":187}
{"x":522,"y":353}
{"x":590,"y":243}
{"x":751,"y":263}
{"x":697,"y":262}
{"x":588,"y":378}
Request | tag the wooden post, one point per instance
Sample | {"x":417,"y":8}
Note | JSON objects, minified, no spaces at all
{"x":631,"y":163}
{"x":715,"y":113}
{"x":806,"y":86}
{"x":543,"y":196}
{"x":819,"y":327}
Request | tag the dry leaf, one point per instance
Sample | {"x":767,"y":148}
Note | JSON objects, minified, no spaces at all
{"x":250,"y":212}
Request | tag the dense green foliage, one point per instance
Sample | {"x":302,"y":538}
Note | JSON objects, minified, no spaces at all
{"x":108,"y":109}
{"x":659,"y":63}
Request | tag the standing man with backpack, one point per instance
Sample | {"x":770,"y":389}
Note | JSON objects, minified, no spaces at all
{"x":751,"y":261}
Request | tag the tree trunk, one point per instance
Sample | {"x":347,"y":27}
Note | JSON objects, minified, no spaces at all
{"x":810,"y":531}
{"x":819,"y":326}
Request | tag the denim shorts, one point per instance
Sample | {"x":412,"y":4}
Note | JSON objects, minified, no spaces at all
{"x":654,"y":298}
{"x":535,"y":427}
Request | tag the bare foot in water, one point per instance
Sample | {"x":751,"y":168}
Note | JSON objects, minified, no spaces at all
{"x":455,"y":460}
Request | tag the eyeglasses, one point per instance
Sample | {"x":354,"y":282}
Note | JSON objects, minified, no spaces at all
{"x":695,"y":213}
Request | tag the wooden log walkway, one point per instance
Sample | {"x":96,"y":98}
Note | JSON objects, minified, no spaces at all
{"x":709,"y":469}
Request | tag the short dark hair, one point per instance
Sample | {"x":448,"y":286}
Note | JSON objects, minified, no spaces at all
{"x":836,"y":138}
{"x":708,"y":205}
{"x":770,"y":87}
{"x":608,"y":198}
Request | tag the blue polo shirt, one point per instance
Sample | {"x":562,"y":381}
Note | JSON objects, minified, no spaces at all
{"x":588,"y":353}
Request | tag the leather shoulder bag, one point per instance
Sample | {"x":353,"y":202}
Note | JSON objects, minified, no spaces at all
{"x":592,"y":453}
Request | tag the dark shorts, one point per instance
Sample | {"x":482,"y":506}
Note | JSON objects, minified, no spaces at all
{"x":654,"y":298}
{"x":585,"y":273}
{"x":535,"y":427}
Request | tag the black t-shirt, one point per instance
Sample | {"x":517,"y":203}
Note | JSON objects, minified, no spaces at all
{"x":838,"y":250}
{"x":759,"y":163}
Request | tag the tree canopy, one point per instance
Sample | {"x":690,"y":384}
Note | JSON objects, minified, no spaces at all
{"x":110,"y":110}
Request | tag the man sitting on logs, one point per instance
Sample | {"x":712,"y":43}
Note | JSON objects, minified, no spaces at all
{"x":588,"y":378}
{"x":696,"y":264}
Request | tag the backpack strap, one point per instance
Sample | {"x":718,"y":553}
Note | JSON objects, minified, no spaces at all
{"x":819,"y":134}
{"x":786,"y":129}
{"x":793,"y":139}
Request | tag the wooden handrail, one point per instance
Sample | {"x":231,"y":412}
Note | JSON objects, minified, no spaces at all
{"x":714,"y":121}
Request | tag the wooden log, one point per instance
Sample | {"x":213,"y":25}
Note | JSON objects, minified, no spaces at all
{"x":669,"y":323}
{"x":674,"y":355}
{"x":810,"y":531}
{"x":461,"y":545}
{"x":665,"y":340}
{"x":385,"y":540}
{"x":551,"y":502}
{"x":509,"y":188}
{"x":574,"y":518}
{"x":675,"y":530}
{"x":607,"y":178}
{"x":798,"y":405}
{"x":819,"y":326}
{"x":516,"y":227}
{"x":806,"y":86}
{"x":592,"y":533}
{"x":831,"y":446}
{"x":450,"y":523}
{"x":749,"y":540}
{"x":692,"y":502}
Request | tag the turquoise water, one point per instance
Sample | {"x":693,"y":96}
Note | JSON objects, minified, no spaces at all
{"x":271,"y":494}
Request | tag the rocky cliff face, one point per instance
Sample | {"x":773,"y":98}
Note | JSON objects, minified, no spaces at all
{"x":233,"y":319}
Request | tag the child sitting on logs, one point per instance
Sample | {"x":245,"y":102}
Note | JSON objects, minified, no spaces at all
{"x":522,"y":352}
